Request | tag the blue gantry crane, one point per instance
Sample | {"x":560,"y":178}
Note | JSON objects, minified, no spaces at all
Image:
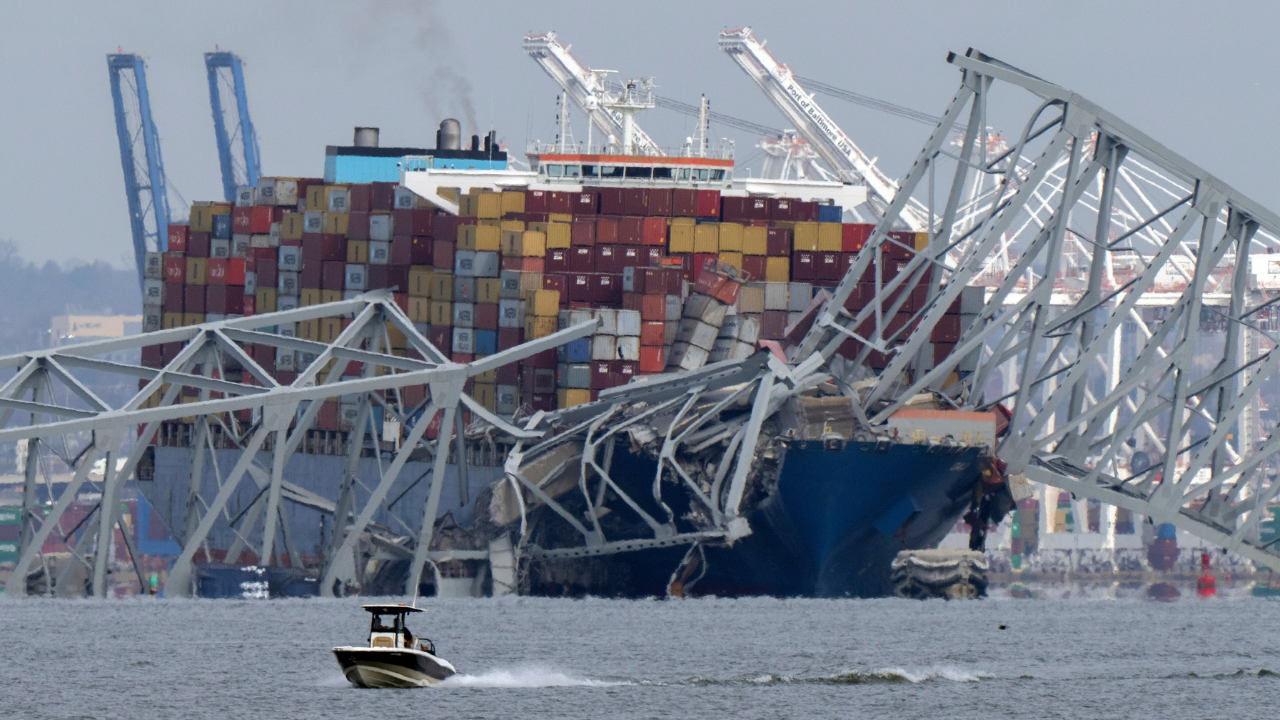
{"x":237,"y":143}
{"x":144,"y":179}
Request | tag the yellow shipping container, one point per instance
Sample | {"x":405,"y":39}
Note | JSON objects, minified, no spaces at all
{"x":829,"y":237}
{"x":731,"y":238}
{"x":682,"y":221}
{"x":755,"y":241}
{"x":197,"y":271}
{"x":484,"y":393}
{"x":732,"y":258}
{"x":466,"y":237}
{"x":291,"y":226}
{"x":264,"y":300}
{"x":192,"y":318}
{"x":540,"y":327}
{"x":488,"y":376}
{"x":533,"y":243}
{"x":558,"y":235}
{"x":397,"y":338}
{"x":441,"y":313}
{"x":488,"y":238}
{"x":335,"y":223}
{"x":488,"y":204}
{"x":441,"y":286}
{"x":530,"y":283}
{"x":560,"y":217}
{"x":567,"y":398}
{"x":546,"y":303}
{"x":357,"y":251}
{"x":805,"y":237}
{"x":706,"y":238}
{"x":201,"y":218}
{"x":466,"y":205}
{"x":448,"y":193}
{"x":419,"y":309}
{"x":512,"y":225}
{"x":315,"y":198}
{"x":512,"y":202}
{"x":922,"y":240}
{"x":171,"y":320}
{"x":420,"y":282}
{"x":538,"y":227}
{"x":512,"y":243}
{"x":487,"y":290}
{"x":329,"y":296}
{"x":680,"y":238}
{"x":777,"y":269}
{"x":308,"y":297}
{"x":309,"y":330}
{"x":330,"y":329}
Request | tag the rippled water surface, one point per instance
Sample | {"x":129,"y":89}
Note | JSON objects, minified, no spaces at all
{"x":757,"y":658}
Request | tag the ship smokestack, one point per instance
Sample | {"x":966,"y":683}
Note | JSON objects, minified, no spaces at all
{"x":366,"y":137}
{"x":475,"y":143}
{"x":449,"y":136}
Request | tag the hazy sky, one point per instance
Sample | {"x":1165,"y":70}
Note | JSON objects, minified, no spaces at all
{"x":1197,"y":76}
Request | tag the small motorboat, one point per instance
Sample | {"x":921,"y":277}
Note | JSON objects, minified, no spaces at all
{"x":394,"y":658}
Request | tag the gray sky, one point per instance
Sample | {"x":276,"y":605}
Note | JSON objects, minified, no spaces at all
{"x":1191,"y":75}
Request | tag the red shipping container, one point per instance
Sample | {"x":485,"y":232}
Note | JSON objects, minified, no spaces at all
{"x":226,"y":271}
{"x":559,"y":283}
{"x":654,"y":231}
{"x":653,"y":359}
{"x":311,"y":275}
{"x":358,"y":198}
{"x":732,"y":209}
{"x":241,"y":220}
{"x":708,"y":203}
{"x":546,"y":360}
{"x":194,"y":298}
{"x":357,"y":225}
{"x":632,"y":301}
{"x":152,"y":358}
{"x":558,"y":260}
{"x":685,"y":265}
{"x":532,"y":217}
{"x":444,"y":227}
{"x":175,"y":270}
{"x":441,"y":337}
{"x":778,"y":242}
{"x":901,"y":245}
{"x":827,"y":266}
{"x":635,"y":201}
{"x":463,"y":358}
{"x":509,"y":338}
{"x":754,"y":266}
{"x":606,"y":288}
{"x":511,"y":263}
{"x":607,"y":230}
{"x":382,"y":195}
{"x":579,"y":288}
{"x":947,"y":329}
{"x":653,"y":307}
{"x":854,"y":235}
{"x":260,"y":219}
{"x":623,"y":371}
{"x":508,"y":374}
{"x":601,"y":375}
{"x":174,"y":300}
{"x":267,"y":274}
{"x":198,"y":244}
{"x":422,"y":222}
{"x":701,"y":260}
{"x":401,"y":298}
{"x":782,"y":210}
{"x":533,"y":265}
{"x":582,"y":259}
{"x":560,"y":202}
{"x":608,"y":259}
{"x":773,"y":324}
{"x":630,"y":256}
{"x":709,"y":282}
{"x":486,"y":316}
{"x":586,"y":202}
{"x":376,"y":277}
{"x":803,"y":266}
{"x":333,"y":275}
{"x":684,"y":202}
{"x":583,"y":231}
{"x":611,"y":202}
{"x":411,"y":250}
{"x":631,"y":230}
{"x":660,"y":202}
{"x":319,"y":248}
{"x":652,"y":255}
{"x":728,"y":292}
{"x":442,"y":255}
{"x":653,"y":332}
{"x":225,"y":299}
{"x":177,"y":240}
{"x":536,"y":201}
{"x":757,"y":208}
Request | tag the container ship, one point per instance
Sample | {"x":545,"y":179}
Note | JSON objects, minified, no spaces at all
{"x":687,"y":269}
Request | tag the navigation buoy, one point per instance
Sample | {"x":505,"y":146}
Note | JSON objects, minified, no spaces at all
{"x":1206,"y":585}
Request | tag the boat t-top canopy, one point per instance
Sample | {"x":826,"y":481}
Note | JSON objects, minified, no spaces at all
{"x":397,"y":609}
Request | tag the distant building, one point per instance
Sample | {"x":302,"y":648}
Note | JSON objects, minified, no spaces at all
{"x":69,"y":329}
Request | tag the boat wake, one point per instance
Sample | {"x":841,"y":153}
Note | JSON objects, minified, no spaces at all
{"x":525,"y":677}
{"x":884,"y":675}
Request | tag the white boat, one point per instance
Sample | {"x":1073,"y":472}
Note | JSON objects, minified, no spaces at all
{"x":394,"y":658}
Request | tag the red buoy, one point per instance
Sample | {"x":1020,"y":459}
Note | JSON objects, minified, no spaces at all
{"x":1206,"y":586}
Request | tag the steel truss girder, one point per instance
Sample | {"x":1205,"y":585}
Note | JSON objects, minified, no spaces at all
{"x":199,"y":365}
{"x":1075,"y":162}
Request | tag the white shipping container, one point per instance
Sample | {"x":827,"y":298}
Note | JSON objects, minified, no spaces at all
{"x":286,"y":193}
{"x":152,"y":292}
{"x":577,"y":376}
{"x":464,"y":316}
{"x":629,"y":323}
{"x":684,"y":356}
{"x":264,"y":241}
{"x":313,"y":221}
{"x":151,"y":318}
{"x":338,"y":200}
{"x":574,"y":317}
{"x":275,"y":234}
{"x":286,"y":361}
{"x":380,"y":227}
{"x":749,"y":329}
{"x":286,"y":285}
{"x":405,"y":199}
{"x":509,"y":287}
{"x":720,"y":351}
{"x":751,"y":298}
{"x":608,"y":318}
{"x":153,"y":266}
{"x":219,"y":248}
{"x":705,"y":308}
{"x":357,"y":277}
{"x":604,"y":347}
{"x":775,"y":295}
{"x":289,"y":259}
{"x":629,"y":348}
{"x":214,"y":317}
{"x":240,"y":245}
{"x":730,"y":327}
{"x":510,"y":313}
{"x":379,"y":252}
{"x":741,"y":351}
{"x":696,"y":332}
{"x":250,"y":282}
{"x":675,"y":305}
{"x":287,"y":302}
{"x":669,"y":335}
{"x":800,"y":296}
{"x":508,"y":399}
{"x":266,"y":191}
{"x":244,"y":196}
{"x":464,"y":340}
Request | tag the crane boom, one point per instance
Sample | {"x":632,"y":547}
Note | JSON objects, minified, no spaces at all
{"x":225,"y":69}
{"x":585,"y":86}
{"x":144,"y":178}
{"x":799,"y":107}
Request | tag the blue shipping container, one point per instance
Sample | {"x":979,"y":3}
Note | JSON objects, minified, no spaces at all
{"x":486,"y":342}
{"x":830,"y":213}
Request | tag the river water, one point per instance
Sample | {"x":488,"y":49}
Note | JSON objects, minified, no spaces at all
{"x":700,"y":658}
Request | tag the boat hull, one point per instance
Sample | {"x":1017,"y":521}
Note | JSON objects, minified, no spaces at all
{"x":391,"y":667}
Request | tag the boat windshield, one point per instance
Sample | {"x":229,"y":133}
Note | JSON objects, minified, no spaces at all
{"x":385,"y":623}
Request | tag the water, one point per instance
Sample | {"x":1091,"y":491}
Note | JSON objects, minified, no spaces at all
{"x":755,"y":658}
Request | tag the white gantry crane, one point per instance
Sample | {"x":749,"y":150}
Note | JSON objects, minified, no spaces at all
{"x":824,"y":136}
{"x":588,"y":90}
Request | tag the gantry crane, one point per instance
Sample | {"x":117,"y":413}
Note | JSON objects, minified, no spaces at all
{"x":823,"y":134}
{"x":144,"y":179}
{"x":587,"y":88}
{"x":226,"y":74}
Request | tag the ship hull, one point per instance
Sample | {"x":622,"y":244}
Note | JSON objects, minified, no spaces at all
{"x":391,"y":668}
